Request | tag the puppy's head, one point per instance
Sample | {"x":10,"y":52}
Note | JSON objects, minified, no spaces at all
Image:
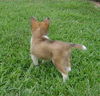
{"x":40,"y":28}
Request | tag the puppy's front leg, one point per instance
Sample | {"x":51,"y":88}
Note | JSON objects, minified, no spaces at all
{"x":34,"y":59}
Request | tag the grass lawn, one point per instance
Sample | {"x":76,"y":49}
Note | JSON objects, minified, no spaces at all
{"x":76,"y":21}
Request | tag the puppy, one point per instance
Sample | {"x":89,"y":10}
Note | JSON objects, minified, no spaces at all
{"x":57,"y":51}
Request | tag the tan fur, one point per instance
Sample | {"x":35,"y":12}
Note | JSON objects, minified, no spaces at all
{"x":57,"y":51}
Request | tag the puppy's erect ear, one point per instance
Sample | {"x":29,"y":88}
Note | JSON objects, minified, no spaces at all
{"x":47,"y":20}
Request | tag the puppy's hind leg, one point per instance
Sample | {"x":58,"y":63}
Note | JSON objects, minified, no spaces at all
{"x":61,"y":68}
{"x":34,"y":59}
{"x":63,"y":71}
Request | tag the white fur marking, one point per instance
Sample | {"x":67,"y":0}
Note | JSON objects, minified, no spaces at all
{"x":65,"y":77}
{"x":84,"y":48}
{"x":31,"y":44}
{"x":35,"y":59}
{"x":68,"y":69}
{"x":45,"y":36}
{"x":31,"y":41}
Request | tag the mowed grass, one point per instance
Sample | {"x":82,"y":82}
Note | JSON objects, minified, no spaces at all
{"x":71,"y":21}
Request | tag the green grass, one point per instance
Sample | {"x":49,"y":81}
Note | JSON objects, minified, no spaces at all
{"x":71,"y":21}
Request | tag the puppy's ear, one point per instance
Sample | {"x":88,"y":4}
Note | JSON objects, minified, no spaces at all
{"x":47,"y":20}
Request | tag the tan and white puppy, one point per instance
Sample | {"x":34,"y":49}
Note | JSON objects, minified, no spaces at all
{"x":57,"y":51}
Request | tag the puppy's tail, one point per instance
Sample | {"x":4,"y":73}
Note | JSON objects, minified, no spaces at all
{"x":78,"y":46}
